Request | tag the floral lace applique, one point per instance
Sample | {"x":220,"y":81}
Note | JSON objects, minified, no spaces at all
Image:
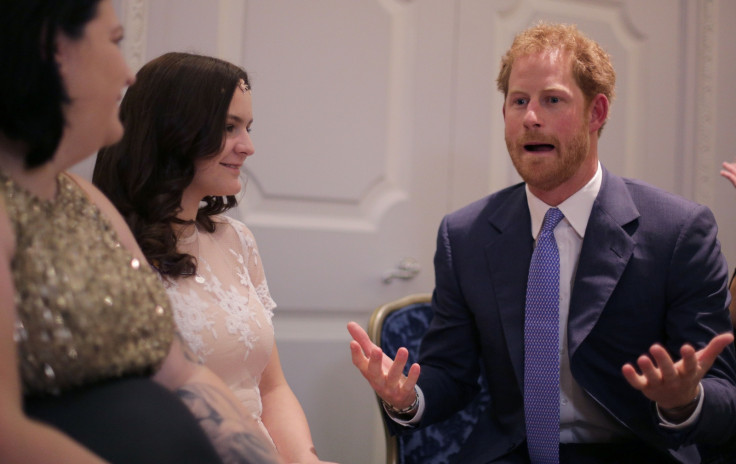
{"x":244,"y":276}
{"x":239,"y":317}
{"x":190,"y":313}
{"x":265,"y":296}
{"x":228,"y":302}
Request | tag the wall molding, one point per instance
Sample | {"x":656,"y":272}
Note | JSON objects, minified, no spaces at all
{"x":230,"y":35}
{"x":135,"y":21}
{"x":705,"y":103}
{"x":366,"y":209}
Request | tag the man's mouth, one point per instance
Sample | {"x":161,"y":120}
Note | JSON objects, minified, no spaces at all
{"x":539,"y":147}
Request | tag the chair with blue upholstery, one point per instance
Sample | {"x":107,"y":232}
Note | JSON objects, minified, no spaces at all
{"x":400,"y":323}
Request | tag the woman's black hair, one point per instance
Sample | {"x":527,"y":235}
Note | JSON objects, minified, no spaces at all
{"x":32,"y":92}
{"x":174,"y":114}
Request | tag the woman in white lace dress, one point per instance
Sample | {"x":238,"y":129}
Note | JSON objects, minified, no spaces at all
{"x":177,"y":169}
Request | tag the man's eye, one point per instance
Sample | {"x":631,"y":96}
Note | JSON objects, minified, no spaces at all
{"x":554,"y":99}
{"x":520,"y":101}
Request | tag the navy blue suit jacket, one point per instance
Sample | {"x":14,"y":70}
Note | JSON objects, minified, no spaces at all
{"x":650,"y":271}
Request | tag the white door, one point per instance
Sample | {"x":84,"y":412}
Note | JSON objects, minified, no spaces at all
{"x":352,"y":107}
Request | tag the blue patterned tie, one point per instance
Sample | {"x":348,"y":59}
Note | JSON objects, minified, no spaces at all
{"x":541,"y":346}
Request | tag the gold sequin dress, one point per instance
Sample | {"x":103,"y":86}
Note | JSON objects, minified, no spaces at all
{"x":86,"y":309}
{"x":92,"y":324}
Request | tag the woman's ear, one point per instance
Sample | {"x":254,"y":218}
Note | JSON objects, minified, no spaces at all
{"x":62,"y":50}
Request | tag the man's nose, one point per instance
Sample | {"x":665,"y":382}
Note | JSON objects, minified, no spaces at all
{"x":532,"y":116}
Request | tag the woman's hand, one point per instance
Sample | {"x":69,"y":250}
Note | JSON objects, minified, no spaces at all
{"x":729,"y":172}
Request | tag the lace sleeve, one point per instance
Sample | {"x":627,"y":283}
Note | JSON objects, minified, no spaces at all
{"x":253,"y":263}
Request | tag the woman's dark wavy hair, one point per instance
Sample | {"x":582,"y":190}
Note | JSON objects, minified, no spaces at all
{"x":32,"y":93}
{"x":174,"y":114}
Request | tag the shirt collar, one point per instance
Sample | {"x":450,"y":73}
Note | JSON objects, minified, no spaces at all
{"x":576,"y":208}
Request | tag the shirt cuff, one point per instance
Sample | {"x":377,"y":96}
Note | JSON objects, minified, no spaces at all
{"x":417,"y":417}
{"x":690,"y":420}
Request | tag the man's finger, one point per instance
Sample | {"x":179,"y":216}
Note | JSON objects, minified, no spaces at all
{"x":708,"y":355}
{"x":358,"y":357}
{"x":635,"y":380}
{"x":664,"y":362}
{"x":649,"y":370}
{"x":375,"y":364}
{"x":689,"y":361}
{"x":412,"y":377}
{"x":360,"y":336}
{"x":396,"y":370}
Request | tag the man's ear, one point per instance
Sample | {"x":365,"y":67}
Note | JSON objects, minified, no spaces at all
{"x":598,"y":112}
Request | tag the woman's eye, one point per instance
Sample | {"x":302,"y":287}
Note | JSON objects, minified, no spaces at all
{"x":229,"y":128}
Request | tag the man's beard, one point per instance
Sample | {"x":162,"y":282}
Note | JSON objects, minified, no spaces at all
{"x":547,"y":173}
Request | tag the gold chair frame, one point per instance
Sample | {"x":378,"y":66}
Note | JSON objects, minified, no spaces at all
{"x":375,"y":325}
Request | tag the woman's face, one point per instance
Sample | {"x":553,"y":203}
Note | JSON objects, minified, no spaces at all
{"x":94,"y":73}
{"x":219,"y":175}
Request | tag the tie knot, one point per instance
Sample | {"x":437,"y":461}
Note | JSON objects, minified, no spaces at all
{"x":551,"y":219}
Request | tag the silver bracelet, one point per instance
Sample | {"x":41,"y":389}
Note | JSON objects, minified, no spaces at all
{"x":407,"y":409}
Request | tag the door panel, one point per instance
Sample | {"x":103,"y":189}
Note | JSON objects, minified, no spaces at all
{"x":351,"y":139}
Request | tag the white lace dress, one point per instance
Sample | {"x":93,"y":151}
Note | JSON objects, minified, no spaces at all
{"x":224,"y":312}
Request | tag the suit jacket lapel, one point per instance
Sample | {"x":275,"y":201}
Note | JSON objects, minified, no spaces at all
{"x":508,"y":254}
{"x":607,"y":248}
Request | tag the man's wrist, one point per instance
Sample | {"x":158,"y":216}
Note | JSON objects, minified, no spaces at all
{"x":407,"y":411}
{"x":680,"y":413}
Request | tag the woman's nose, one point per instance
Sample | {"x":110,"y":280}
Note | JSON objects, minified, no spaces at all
{"x":245,"y":145}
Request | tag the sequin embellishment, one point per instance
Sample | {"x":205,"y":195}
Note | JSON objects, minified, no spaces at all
{"x":86,"y":309}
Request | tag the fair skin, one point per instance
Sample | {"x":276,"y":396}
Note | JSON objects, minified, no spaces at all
{"x":545,"y":116}
{"x":547,"y":121}
{"x":94,"y":73}
{"x":220,"y":176}
{"x":729,"y":171}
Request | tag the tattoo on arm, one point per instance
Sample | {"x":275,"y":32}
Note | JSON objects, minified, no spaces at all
{"x":236,"y":438}
{"x":189,"y":354}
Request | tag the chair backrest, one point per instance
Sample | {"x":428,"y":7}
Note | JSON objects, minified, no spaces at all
{"x":400,"y":323}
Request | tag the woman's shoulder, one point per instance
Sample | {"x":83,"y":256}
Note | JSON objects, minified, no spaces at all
{"x":108,"y":210}
{"x":229,"y":225}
